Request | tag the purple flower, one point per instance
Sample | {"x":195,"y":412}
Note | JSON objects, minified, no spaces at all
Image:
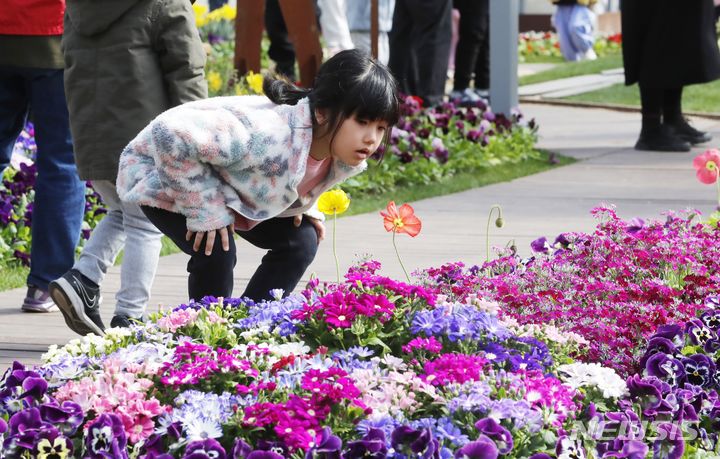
{"x":700,"y":370}
{"x":711,"y":319}
{"x":67,"y":417}
{"x":106,"y":438}
{"x":712,"y":302}
{"x":569,"y":447}
{"x":240,"y":449}
{"x":657,"y":344}
{"x":540,"y":245}
{"x":328,"y":446}
{"x":698,"y":332}
{"x":52,"y":444}
{"x":260,"y":454}
{"x":635,"y":225}
{"x":540,"y":456}
{"x":499,"y":434}
{"x":482,"y":448}
{"x":647,"y":391}
{"x":666,"y":368}
{"x":3,"y":426}
{"x":670,"y":443}
{"x":205,"y":449}
{"x":420,"y":442}
{"x":371,"y":446}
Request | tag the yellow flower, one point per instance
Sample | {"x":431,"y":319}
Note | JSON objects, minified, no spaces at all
{"x":57,"y":449}
{"x":200,"y":12}
{"x":333,"y":202}
{"x":255,"y":81}
{"x":214,"y":81}
{"x":227,"y":12}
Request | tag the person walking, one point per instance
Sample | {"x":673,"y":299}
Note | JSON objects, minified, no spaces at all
{"x":31,"y":84}
{"x":472,"y":53}
{"x":256,"y":165}
{"x":668,"y":45}
{"x":126,"y":62}
{"x":420,"y":47}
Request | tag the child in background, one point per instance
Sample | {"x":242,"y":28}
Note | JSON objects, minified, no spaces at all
{"x":574,"y":21}
{"x":256,"y":166}
{"x":126,"y":62}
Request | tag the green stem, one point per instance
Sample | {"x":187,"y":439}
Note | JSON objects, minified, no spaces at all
{"x":398,"y":257}
{"x":487,"y":230}
{"x":337,"y":263}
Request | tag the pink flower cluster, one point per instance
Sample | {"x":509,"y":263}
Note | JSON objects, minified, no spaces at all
{"x":116,"y":391}
{"x":453,"y":368}
{"x":340,"y":309}
{"x":298,"y":422}
{"x":428,"y":344}
{"x":549,"y":394}
{"x":191,"y":363}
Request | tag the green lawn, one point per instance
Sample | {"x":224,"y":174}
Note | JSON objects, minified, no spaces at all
{"x":14,"y":277}
{"x":571,"y":69}
{"x":703,"y":98}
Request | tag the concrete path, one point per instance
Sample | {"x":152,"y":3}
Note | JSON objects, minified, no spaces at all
{"x":566,"y":87}
{"x":639,"y":183}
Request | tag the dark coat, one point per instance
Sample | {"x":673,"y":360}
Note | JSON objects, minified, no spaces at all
{"x":126,"y":62}
{"x":669,"y":43}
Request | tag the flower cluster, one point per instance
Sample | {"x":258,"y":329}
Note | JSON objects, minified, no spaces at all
{"x":613,"y":287}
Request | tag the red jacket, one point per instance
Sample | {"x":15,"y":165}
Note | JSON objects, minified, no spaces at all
{"x":32,"y":17}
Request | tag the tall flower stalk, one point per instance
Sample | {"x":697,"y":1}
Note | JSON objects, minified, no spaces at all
{"x":401,"y":220}
{"x":499,"y":223}
{"x":334,"y":202}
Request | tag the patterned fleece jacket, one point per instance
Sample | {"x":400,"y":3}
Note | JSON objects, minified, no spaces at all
{"x":210,"y":158}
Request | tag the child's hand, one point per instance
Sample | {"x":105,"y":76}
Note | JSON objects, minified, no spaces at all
{"x":319,"y":226}
{"x":225,"y":235}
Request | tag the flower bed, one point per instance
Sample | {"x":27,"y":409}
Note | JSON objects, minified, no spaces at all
{"x":534,"y":46}
{"x":16,"y":203}
{"x":373,"y":367}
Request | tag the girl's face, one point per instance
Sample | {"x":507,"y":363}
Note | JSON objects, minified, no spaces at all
{"x":357,"y":139}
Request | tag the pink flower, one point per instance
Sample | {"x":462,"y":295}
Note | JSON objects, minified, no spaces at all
{"x":707,"y":165}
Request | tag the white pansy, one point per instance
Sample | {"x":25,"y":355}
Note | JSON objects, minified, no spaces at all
{"x":577,"y":375}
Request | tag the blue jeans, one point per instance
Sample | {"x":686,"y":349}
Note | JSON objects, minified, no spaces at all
{"x":59,"y":194}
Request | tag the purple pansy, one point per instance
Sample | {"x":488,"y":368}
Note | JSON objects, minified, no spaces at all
{"x":106,"y":438}
{"x":482,"y":448}
{"x":499,"y":434}
{"x":670,"y":443}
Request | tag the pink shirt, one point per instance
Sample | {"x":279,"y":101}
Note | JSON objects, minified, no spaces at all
{"x":315,"y":172}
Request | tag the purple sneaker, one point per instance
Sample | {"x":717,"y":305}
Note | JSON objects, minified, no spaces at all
{"x":38,"y":300}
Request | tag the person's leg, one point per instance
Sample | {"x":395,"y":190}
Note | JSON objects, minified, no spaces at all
{"x":59,"y":203}
{"x":107,"y":238}
{"x":581,"y":31}
{"x":291,"y":250}
{"x":654,"y":136}
{"x":402,"y":46}
{"x":14,"y":104}
{"x":142,"y":242}
{"x":433,"y":23}
{"x":482,"y":63}
{"x":281,"y":50}
{"x":561,"y":21}
{"x":673,"y":117}
{"x":209,"y":275}
{"x":470,"y":36}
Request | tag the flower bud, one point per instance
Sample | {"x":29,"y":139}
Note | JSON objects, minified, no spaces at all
{"x":499,"y":222}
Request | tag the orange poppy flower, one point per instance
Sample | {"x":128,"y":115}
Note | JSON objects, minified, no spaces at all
{"x":401,"y":220}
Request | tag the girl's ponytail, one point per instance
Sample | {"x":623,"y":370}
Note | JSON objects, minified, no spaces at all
{"x":283,"y":92}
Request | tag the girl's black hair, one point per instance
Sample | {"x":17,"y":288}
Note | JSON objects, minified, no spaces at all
{"x":349,"y":83}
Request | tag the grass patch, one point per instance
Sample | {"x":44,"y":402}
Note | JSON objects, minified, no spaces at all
{"x":571,"y":69}
{"x":703,"y":98}
{"x":460,"y":182}
{"x":14,"y":276}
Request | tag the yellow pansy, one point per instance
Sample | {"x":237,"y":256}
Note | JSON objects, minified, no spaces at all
{"x":333,"y":202}
{"x":214,"y":81}
{"x":255,"y":81}
{"x":55,"y":450}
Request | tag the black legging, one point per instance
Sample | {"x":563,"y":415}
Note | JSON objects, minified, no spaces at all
{"x":472,"y":53}
{"x":290,"y":251}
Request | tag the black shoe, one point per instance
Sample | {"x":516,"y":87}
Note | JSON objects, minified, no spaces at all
{"x":662,"y":138}
{"x":79,"y":303}
{"x":122,"y":321}
{"x":685,"y":131}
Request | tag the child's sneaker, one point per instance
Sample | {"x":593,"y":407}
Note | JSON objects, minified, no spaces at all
{"x":38,"y":300}
{"x":79,"y":302}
